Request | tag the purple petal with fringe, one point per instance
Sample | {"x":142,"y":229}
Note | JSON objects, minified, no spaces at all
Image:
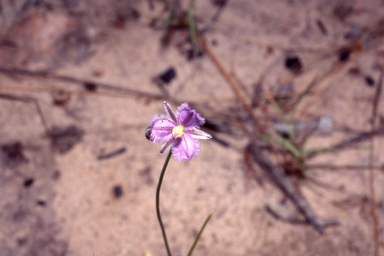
{"x":188,"y":117}
{"x":185,"y":148}
{"x":161,"y":128}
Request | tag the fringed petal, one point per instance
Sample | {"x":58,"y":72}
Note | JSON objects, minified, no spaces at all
{"x":199,"y":134}
{"x":188,"y":117}
{"x":161,"y":128}
{"x":185,"y":148}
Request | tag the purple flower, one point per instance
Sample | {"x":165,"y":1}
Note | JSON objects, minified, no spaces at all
{"x":178,"y":131}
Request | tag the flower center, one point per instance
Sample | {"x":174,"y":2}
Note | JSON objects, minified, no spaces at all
{"x":178,"y":131}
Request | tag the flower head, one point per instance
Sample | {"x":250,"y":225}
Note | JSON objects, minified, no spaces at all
{"x":178,"y":131}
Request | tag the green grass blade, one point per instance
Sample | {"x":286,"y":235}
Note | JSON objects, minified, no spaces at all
{"x":199,"y":234}
{"x":192,"y":31}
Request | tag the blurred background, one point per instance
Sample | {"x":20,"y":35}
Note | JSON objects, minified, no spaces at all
{"x":291,"y":91}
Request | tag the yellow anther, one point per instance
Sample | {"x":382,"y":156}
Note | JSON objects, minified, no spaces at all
{"x":178,"y":131}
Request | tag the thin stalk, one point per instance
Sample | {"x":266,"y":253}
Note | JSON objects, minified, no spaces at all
{"x":199,"y":234}
{"x":168,"y":22}
{"x":239,"y":93}
{"x":303,"y":94}
{"x":192,"y":28}
{"x":158,"y":201}
{"x":192,"y":31}
{"x":371,"y":176}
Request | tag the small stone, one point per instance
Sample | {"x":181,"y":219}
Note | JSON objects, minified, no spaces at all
{"x":168,"y":75}
{"x":293,"y":63}
{"x":28,"y":182}
{"x":118,"y":191}
{"x":369,"y":81}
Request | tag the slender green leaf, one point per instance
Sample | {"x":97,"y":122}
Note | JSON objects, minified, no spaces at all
{"x":199,"y":234}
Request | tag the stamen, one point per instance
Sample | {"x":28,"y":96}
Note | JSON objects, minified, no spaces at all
{"x":178,"y":131}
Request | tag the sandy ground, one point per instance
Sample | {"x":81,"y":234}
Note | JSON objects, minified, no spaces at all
{"x":61,"y":195}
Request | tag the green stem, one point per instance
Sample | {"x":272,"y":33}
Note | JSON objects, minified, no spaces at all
{"x":168,"y":22}
{"x":192,"y":31}
{"x":158,"y":201}
{"x":199,"y":234}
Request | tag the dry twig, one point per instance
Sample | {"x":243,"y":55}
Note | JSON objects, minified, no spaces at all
{"x":371,"y":160}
